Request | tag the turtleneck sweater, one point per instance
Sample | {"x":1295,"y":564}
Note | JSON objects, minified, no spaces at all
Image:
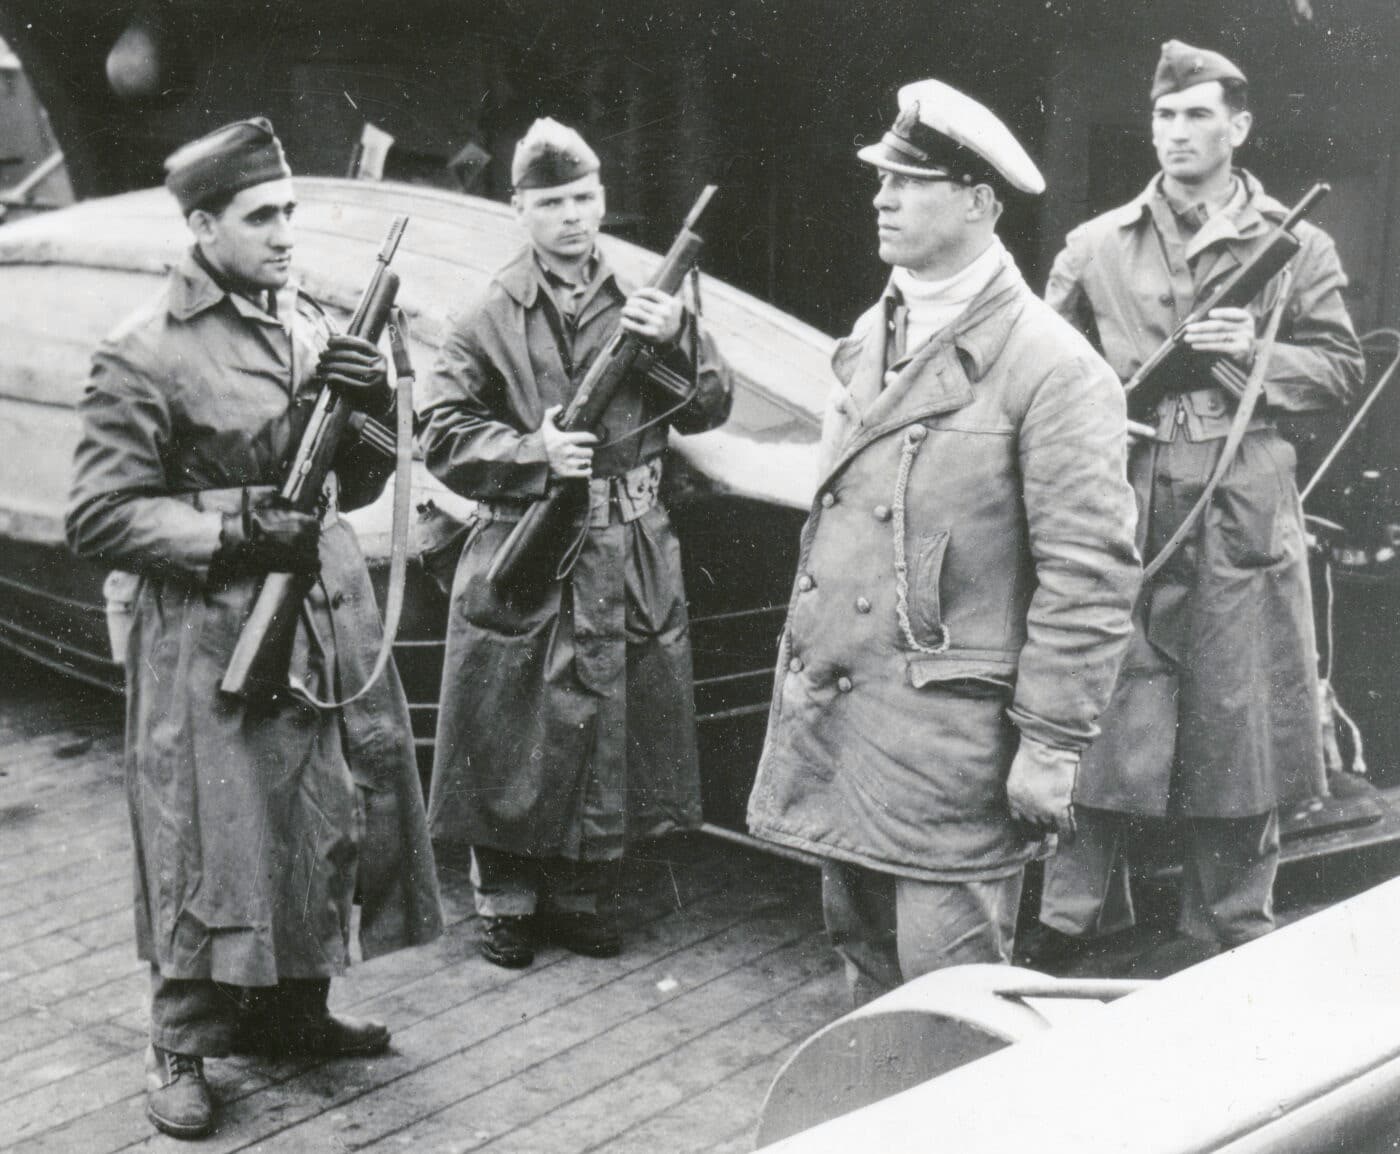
{"x":934,"y":304}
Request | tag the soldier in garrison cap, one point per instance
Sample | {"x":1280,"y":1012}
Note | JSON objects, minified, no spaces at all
{"x":252,"y":823}
{"x":566,"y":728}
{"x":965,"y":575}
{"x":1214,"y":722}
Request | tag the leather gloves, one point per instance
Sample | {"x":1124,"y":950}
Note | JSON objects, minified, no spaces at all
{"x":358,"y":369}
{"x":1040,"y":787}
{"x":269,"y":540}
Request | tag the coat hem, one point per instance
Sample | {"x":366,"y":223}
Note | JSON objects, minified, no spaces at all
{"x":899,"y":869}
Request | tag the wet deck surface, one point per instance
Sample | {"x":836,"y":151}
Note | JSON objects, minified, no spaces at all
{"x":669,"y":1047}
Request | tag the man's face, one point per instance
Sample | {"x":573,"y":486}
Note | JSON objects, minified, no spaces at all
{"x":921,"y":223}
{"x":562,"y":221}
{"x":1195,"y":133}
{"x":250,"y":242}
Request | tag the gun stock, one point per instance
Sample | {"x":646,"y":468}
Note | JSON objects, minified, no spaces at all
{"x":530,"y":556}
{"x":264,"y":649}
{"x":1173,"y":362}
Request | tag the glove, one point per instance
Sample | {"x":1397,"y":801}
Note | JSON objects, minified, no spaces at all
{"x":257,"y":541}
{"x":1040,"y":787}
{"x":359,"y":370}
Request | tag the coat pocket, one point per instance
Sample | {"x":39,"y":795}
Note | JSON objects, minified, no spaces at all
{"x":922,"y":625}
{"x":1253,"y":504}
{"x":967,"y":677}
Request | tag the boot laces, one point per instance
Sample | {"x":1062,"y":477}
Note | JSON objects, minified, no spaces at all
{"x":177,"y":1065}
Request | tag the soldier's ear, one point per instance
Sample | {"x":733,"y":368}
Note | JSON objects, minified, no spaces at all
{"x":1240,"y":124}
{"x":201,"y":223}
{"x":985,"y":205}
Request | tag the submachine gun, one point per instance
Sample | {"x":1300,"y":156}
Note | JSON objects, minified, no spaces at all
{"x":264,"y":650}
{"x":532,"y":555}
{"x":1167,"y":369}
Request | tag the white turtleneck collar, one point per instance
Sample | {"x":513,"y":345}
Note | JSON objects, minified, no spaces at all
{"x":934,"y":304}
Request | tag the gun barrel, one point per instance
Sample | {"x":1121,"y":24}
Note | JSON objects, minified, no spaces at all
{"x":702,"y":202}
{"x":1306,"y":205}
{"x":391,"y":241}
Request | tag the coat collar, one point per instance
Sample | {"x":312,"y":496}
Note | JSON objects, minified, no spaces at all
{"x":1259,"y":212}
{"x":194,"y":291}
{"x":522,"y":279}
{"x":938,"y":378}
{"x":980,"y":333}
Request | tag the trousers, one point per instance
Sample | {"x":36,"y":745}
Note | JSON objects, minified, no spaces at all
{"x":512,"y":885}
{"x":1227,"y":881}
{"x":201,"y":1017}
{"x":889,"y":929}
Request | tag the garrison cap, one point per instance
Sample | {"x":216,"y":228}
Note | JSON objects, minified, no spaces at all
{"x":1182,"y":67}
{"x":226,"y":161}
{"x":941,"y":131}
{"x":549,"y":155}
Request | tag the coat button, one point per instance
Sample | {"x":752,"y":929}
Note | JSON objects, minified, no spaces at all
{"x":1166,"y":299}
{"x":843,"y":684}
{"x":805,"y":582}
{"x":337,"y":600}
{"x":828,"y":500}
{"x":862,"y":605}
{"x":916,"y":434}
{"x":795,"y":665}
{"x":882,"y":512}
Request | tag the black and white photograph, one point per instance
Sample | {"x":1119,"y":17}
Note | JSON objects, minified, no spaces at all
{"x":807,"y":576}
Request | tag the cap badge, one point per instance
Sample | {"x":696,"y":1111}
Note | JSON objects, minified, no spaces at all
{"x":908,"y":120}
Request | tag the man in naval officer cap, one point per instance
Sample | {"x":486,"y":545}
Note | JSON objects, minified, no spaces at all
{"x":1214,"y":722}
{"x":965,"y":575}
{"x":566,"y":728}
{"x":257,"y":825}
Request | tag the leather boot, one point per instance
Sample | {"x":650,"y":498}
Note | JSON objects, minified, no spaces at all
{"x":178,"y":1100}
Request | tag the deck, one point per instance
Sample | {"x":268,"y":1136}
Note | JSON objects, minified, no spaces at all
{"x":669,"y":1047}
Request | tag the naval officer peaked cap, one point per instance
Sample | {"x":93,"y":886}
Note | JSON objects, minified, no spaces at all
{"x":941,"y":131}
{"x":549,"y":155}
{"x":224,"y":162}
{"x":1181,"y":67}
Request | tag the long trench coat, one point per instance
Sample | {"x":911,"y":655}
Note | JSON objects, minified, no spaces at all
{"x":255,"y":827}
{"x":1216,"y":710}
{"x":566,"y":724}
{"x":965,"y":576}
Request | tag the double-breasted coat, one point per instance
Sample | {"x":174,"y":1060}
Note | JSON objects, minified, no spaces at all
{"x":1216,"y":710}
{"x":255,"y":827}
{"x":566,"y":724}
{"x":965,"y":576}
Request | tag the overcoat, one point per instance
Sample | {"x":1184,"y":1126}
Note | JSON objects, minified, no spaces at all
{"x":1216,"y":710}
{"x":965,"y":573}
{"x":566,"y":723}
{"x":255,"y":827}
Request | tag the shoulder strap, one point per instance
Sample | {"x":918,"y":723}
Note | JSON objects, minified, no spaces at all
{"x":398,"y":549}
{"x":1253,"y":388}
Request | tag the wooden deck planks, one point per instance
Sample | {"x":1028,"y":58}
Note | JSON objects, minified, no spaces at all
{"x":670,"y":1045}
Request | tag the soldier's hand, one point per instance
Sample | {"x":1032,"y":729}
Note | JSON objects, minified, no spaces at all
{"x":570,"y":454}
{"x":270,"y":540}
{"x":1224,"y":332}
{"x":653,"y":314}
{"x":358,"y":369}
{"x":1040,"y":787}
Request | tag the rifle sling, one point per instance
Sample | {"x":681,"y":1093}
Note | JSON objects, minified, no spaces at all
{"x":398,"y":547}
{"x":1253,"y":389}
